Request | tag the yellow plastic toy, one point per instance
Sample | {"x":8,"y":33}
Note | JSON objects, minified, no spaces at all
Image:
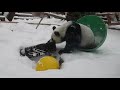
{"x":47,"y":62}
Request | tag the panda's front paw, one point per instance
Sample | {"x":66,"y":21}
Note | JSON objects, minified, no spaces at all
{"x":22,"y":52}
{"x":60,"y":52}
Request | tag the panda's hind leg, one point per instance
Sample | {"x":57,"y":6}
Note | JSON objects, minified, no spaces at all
{"x":69,"y":48}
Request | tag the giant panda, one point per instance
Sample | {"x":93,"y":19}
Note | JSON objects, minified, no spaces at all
{"x":76,"y":35}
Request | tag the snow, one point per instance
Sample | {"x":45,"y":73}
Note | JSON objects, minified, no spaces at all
{"x":27,"y":14}
{"x":115,"y":27}
{"x":2,"y":16}
{"x":103,"y":63}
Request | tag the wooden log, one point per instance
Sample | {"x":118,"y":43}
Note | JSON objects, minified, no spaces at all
{"x":117,"y":23}
{"x":104,"y":14}
{"x":54,"y":15}
{"x":30,"y":23}
{"x":23,"y":14}
{"x":17,"y":17}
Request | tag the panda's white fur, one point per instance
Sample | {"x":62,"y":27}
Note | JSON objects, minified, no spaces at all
{"x":87,"y":36}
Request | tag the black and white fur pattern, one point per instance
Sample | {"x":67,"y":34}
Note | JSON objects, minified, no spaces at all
{"x":75,"y":35}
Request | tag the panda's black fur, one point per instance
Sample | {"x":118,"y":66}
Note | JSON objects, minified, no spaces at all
{"x":72,"y":35}
{"x":72,"y":38}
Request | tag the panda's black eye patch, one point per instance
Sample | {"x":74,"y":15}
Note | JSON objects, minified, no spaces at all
{"x":71,"y":28}
{"x":57,"y":33}
{"x":53,"y":27}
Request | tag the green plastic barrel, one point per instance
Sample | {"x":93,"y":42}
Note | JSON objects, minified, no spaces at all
{"x":98,"y":27}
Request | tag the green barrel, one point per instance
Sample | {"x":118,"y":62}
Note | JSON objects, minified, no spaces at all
{"x":98,"y":27}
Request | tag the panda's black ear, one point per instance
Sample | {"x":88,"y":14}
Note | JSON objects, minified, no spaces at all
{"x":54,"y":27}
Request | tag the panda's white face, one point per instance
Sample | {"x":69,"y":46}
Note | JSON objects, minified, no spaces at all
{"x":59,"y":33}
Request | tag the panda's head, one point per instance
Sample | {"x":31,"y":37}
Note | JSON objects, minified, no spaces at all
{"x":59,"y":33}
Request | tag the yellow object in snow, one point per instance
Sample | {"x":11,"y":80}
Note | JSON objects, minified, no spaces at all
{"x":47,"y":62}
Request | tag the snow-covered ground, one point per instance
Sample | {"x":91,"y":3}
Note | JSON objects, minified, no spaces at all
{"x":117,"y":27}
{"x":104,"y":63}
